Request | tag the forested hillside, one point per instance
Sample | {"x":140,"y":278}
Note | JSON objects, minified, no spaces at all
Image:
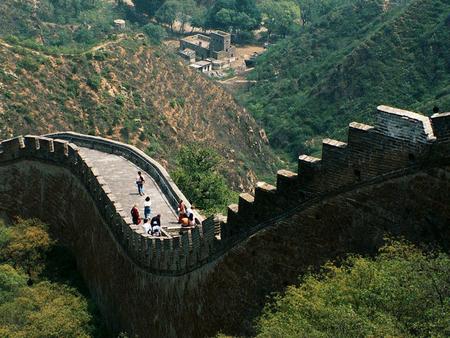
{"x":342,"y":64}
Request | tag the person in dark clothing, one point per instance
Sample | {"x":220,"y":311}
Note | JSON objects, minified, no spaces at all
{"x":156,"y":225}
{"x":140,"y":183}
{"x":135,"y":215}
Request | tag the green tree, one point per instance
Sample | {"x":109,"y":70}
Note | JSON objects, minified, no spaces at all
{"x":312,"y":10}
{"x":198,"y":176}
{"x":25,"y":245}
{"x":167,"y":13}
{"x":280,"y":16}
{"x":198,"y":19}
{"x":403,"y":292}
{"x":148,"y":6}
{"x":233,"y":15}
{"x":43,"y":310}
{"x":187,"y":9}
{"x":155,"y":32}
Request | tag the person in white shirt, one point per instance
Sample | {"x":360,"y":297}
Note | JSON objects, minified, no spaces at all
{"x":147,"y":226}
{"x":147,"y":207}
{"x":189,"y":212}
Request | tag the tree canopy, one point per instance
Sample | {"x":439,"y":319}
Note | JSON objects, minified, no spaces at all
{"x":280,"y":16}
{"x":403,"y":292}
{"x":41,"y":308}
{"x":197,"y":174}
{"x":233,"y":15}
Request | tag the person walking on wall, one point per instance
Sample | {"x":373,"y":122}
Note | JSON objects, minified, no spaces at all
{"x":147,"y":207}
{"x":140,"y":183}
{"x":135,"y":215}
{"x":190,"y":211}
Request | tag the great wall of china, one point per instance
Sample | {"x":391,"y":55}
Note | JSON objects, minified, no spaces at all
{"x":392,"y":177}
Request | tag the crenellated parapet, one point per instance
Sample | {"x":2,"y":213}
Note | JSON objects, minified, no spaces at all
{"x":397,"y":143}
{"x":163,"y":255}
{"x":398,"y":140}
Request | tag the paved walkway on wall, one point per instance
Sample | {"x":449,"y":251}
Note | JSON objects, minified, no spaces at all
{"x":120,"y":175}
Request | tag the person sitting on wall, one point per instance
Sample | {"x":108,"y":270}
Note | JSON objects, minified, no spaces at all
{"x":190,"y":211}
{"x":156,"y":225}
{"x":184,"y":221}
{"x":135,"y":215}
{"x":147,"y":207}
{"x":147,"y":226}
{"x":181,"y":211}
{"x":191,"y":220}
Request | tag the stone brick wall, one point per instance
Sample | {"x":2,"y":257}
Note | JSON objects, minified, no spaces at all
{"x":227,"y":293}
{"x":169,"y":256}
{"x":398,"y":140}
{"x":219,"y":276}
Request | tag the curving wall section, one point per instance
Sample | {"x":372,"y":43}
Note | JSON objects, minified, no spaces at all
{"x":391,"y":177}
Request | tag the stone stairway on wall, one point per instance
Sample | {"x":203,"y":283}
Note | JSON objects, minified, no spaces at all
{"x":399,"y":140}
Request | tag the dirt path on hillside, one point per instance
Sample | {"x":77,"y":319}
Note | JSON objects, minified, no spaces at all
{"x":104,"y":44}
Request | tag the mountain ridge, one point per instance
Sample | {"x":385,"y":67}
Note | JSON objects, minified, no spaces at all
{"x":337,"y":69}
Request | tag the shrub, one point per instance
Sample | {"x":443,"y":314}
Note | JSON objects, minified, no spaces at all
{"x":29,"y":64}
{"x":155,"y":33}
{"x":401,"y":293}
{"x":94,"y":82}
{"x":120,"y":100}
{"x":198,"y":176}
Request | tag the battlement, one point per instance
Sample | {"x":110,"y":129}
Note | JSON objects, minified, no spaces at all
{"x":404,"y":125}
{"x":399,"y":141}
{"x":171,"y":256}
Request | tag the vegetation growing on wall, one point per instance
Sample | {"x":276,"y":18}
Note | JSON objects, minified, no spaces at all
{"x":403,"y":292}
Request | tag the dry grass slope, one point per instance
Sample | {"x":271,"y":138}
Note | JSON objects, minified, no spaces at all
{"x":131,"y":92}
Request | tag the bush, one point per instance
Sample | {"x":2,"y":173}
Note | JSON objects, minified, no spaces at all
{"x":120,"y":100}
{"x":244,"y":37}
{"x":29,"y":64}
{"x":37,"y":307}
{"x":155,"y":33}
{"x":401,"y":293}
{"x":25,"y":245}
{"x":198,"y":177}
{"x":94,"y":82}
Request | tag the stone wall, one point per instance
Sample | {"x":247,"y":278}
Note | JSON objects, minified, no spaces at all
{"x":219,"y":276}
{"x":228,"y":293}
{"x":168,"y":256}
{"x":399,"y":140}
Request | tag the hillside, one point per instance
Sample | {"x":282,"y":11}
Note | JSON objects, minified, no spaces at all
{"x":338,"y":68}
{"x":132,"y":92}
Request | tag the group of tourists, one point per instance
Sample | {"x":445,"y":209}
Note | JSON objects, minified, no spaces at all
{"x":153,"y":226}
